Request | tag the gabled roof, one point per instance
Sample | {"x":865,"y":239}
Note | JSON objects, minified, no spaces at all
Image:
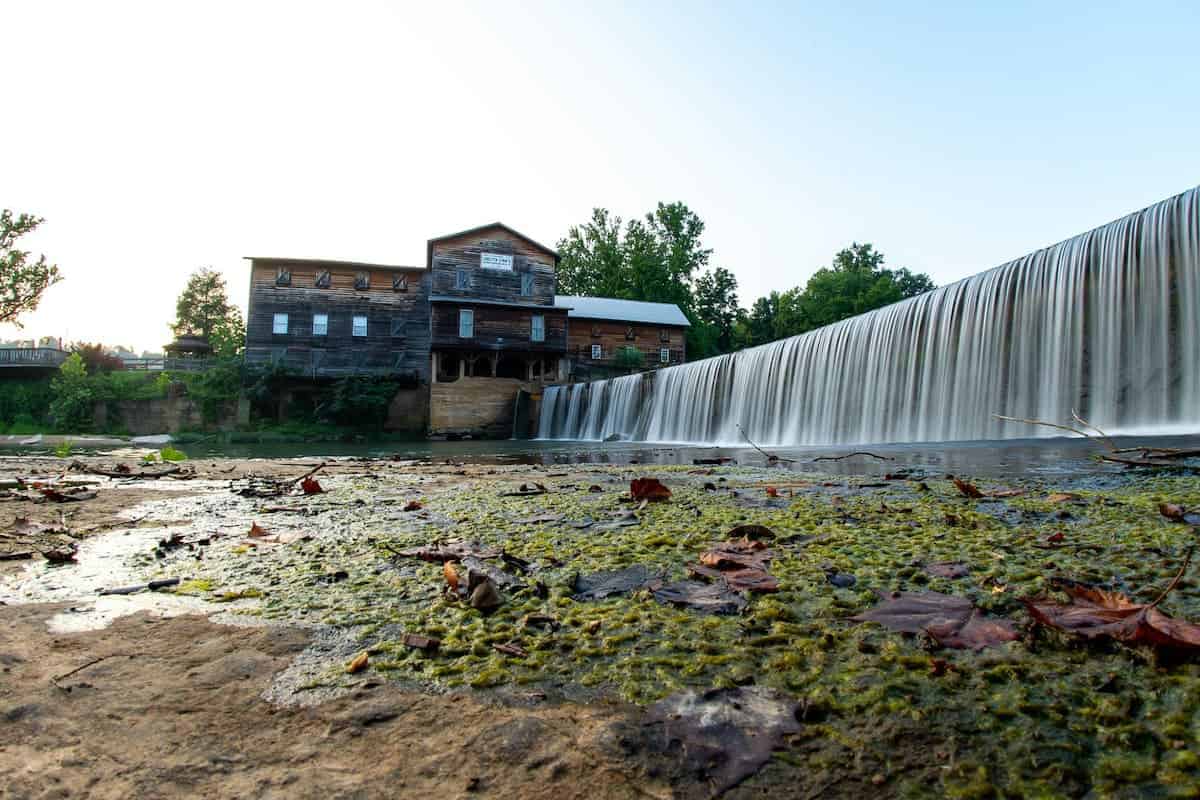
{"x":329,"y":261}
{"x":479,"y":229}
{"x":622,"y":310}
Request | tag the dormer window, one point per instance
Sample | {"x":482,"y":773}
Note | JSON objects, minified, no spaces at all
{"x":362,"y":280}
{"x":283,"y":277}
{"x":399,"y":282}
{"x":323,"y":280}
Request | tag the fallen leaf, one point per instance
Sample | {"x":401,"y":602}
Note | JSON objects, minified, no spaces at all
{"x":417,"y":642}
{"x":722,"y":736}
{"x":450,"y":551}
{"x":451,"y":575}
{"x":711,"y":598}
{"x":751,"y":532}
{"x":511,"y":650}
{"x":412,"y":505}
{"x":1055,"y":538}
{"x":1007,"y":493}
{"x":358,"y":664}
{"x":772,"y":491}
{"x":311,"y":486}
{"x":946,"y":569}
{"x":62,"y":554}
{"x":968,"y":489}
{"x":1061,"y":497}
{"x":68,"y":496}
{"x":1177,"y":513}
{"x":648,"y":489}
{"x":1098,"y":613}
{"x":595,"y":488}
{"x":949,"y":620}
{"x":256,"y":532}
{"x":600,"y":585}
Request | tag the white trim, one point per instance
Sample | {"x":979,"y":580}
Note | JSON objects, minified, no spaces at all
{"x":279,"y":324}
{"x":355,"y":330}
{"x":320,"y":325}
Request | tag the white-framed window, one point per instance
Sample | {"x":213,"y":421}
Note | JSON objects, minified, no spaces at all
{"x":359,"y":327}
{"x":320,"y":324}
{"x":537,"y":328}
{"x":526,"y":284}
{"x":664,"y":355}
{"x":597,"y":352}
{"x":279,"y":324}
{"x":466,"y":323}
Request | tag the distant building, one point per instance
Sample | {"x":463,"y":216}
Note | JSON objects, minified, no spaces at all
{"x":481,"y":314}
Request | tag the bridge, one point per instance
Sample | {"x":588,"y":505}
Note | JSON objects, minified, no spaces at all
{"x":31,"y":360}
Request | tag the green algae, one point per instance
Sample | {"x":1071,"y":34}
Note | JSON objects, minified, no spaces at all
{"x":1043,"y":716}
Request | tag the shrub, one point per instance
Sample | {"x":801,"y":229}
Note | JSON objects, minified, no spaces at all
{"x":358,"y":401}
{"x":169,"y":453}
{"x":629,"y":358}
{"x":71,"y":406}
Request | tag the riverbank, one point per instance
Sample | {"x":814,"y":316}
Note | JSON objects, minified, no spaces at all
{"x":552,"y":691}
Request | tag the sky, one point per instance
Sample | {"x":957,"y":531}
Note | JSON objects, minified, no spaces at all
{"x":156,"y":138}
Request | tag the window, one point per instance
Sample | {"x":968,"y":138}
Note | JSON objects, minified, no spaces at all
{"x":629,"y":334}
{"x":595,"y":331}
{"x":537,"y":328}
{"x":664,"y":355}
{"x":397,"y":327}
{"x":280,"y":324}
{"x":399,"y":282}
{"x":360,"y":325}
{"x":526,"y":284}
{"x":597,"y":352}
{"x":664,"y":335}
{"x":362,"y":280}
{"x":466,"y":323}
{"x":462,"y":279}
{"x":283,"y":277}
{"x":323,"y":280}
{"x":320,"y":324}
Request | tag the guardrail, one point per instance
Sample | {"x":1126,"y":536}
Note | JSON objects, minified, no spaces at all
{"x":49,"y":357}
{"x":168,"y":364}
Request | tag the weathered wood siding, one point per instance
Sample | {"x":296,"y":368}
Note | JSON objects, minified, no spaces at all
{"x":339,"y":352}
{"x":499,"y":328}
{"x":463,"y":253}
{"x":612,"y":336}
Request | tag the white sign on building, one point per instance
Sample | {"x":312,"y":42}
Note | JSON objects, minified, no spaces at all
{"x":496,"y":261}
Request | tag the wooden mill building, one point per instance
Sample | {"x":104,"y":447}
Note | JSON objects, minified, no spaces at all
{"x":464,"y":333}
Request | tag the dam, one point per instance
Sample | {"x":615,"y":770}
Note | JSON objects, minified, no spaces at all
{"x":1105,"y":324}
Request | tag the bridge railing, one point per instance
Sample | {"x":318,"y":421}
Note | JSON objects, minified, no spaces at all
{"x":32,"y":356}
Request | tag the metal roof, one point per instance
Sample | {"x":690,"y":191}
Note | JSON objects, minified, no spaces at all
{"x":331,"y":262}
{"x":621,"y":310}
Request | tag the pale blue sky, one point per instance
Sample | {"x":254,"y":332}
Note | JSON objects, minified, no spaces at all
{"x":156,"y":138}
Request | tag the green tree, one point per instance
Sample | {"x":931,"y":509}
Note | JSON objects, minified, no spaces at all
{"x":22,"y":282}
{"x":95,"y":359}
{"x":203,"y":309}
{"x":592,"y":258}
{"x":629,"y":358}
{"x":71,"y":408}
{"x":715,"y":306}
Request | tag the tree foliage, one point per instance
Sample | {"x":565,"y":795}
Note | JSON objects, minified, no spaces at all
{"x":855,"y":283}
{"x":71,"y":408}
{"x":629,"y":358}
{"x":95,"y":359}
{"x":22,"y":281}
{"x":203,"y":309}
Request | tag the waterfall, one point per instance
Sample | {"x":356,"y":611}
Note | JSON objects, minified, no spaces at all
{"x":1106,"y":323}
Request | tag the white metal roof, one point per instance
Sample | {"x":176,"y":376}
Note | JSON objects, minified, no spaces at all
{"x":621,"y":310}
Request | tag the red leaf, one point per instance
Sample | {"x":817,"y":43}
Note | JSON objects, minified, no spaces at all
{"x":772,"y":491}
{"x":648,"y":489}
{"x":256,"y":532}
{"x":968,"y":489}
{"x":310,"y":486}
{"x":951,"y":621}
{"x":1097,"y":613}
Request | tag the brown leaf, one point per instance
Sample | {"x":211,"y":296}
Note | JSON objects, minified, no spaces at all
{"x":595,"y":488}
{"x":358,"y":664}
{"x":68,"y":496}
{"x":648,"y":489}
{"x":451,"y":575}
{"x":1007,"y":493}
{"x":412,"y":505}
{"x":417,"y":642}
{"x":946,"y":569}
{"x":772,"y":491}
{"x":256,"y":532}
{"x":1061,"y":497}
{"x":950,"y":620}
{"x":737,"y":555}
{"x":751,"y":532}
{"x":1097,"y":613}
{"x":968,"y":489}
{"x":511,"y":650}
{"x":311,"y":486}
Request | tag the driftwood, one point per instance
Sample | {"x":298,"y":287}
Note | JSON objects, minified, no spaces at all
{"x":152,"y":586}
{"x":851,"y":455}
{"x":1152,"y":458}
{"x":770,"y":456}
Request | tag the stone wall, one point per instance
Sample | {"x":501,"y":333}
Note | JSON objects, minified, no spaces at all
{"x":479,"y":407}
{"x":160,"y":415}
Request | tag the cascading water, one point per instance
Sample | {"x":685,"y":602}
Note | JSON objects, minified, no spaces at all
{"x":1106,"y":323}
